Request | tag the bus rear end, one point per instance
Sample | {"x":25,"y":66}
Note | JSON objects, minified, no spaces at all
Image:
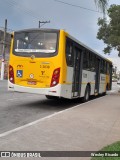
{"x":36,"y":60}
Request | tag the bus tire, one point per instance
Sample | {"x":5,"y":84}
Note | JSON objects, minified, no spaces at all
{"x":87,"y":94}
{"x":106,"y":89}
{"x":51,"y":97}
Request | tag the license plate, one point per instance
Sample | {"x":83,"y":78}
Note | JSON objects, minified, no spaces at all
{"x":32,"y":82}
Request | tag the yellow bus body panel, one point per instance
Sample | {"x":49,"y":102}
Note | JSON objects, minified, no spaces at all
{"x":37,"y":72}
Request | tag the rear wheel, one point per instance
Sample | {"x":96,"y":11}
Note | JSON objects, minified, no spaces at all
{"x":51,"y":97}
{"x":106,"y":89}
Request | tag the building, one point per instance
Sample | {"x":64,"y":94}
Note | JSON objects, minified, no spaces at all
{"x":116,"y":67}
{"x":7,"y":51}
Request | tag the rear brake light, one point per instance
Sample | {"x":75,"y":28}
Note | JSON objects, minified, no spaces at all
{"x":55,"y":77}
{"x":11,"y":74}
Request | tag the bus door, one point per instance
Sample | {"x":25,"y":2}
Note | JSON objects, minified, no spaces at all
{"x":109,"y":73}
{"x":110,"y":77}
{"x":77,"y":72}
{"x":97,"y":76}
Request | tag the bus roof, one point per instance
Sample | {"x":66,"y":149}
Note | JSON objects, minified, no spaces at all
{"x":76,"y":40}
{"x":82,"y":44}
{"x":38,"y":29}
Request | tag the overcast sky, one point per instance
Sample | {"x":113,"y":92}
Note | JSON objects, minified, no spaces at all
{"x":80,"y":23}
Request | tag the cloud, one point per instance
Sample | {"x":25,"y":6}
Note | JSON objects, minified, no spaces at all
{"x":80,"y":23}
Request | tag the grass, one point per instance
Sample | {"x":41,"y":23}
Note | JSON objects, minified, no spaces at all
{"x":112,"y":147}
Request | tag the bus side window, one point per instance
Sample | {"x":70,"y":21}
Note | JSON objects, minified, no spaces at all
{"x":108,"y":68}
{"x":69,"y":53}
{"x":103,"y":67}
{"x":92,"y":61}
{"x":86,"y":60}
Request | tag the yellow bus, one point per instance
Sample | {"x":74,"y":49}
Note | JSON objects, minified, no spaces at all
{"x":53,"y":63}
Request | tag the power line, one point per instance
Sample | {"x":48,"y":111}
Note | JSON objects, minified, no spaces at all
{"x":73,"y":5}
{"x":7,"y":28}
{"x":20,"y":7}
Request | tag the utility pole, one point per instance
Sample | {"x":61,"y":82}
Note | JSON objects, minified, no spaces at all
{"x":3,"y":52}
{"x":43,"y":22}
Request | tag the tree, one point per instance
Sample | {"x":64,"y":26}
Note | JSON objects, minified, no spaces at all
{"x":109,"y":31}
{"x":102,"y":4}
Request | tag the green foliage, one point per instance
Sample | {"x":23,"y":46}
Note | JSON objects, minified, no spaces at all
{"x":109,"y":31}
{"x":102,"y":4}
{"x":112,"y":147}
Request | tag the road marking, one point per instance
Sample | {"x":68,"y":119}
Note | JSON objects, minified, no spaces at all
{"x":47,"y":117}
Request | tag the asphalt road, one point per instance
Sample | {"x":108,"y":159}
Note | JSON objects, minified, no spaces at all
{"x":18,"y":109}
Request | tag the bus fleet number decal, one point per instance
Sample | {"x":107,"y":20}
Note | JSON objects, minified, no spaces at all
{"x":45,"y":66}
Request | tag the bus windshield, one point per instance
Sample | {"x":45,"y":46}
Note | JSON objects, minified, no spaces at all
{"x":38,"y":43}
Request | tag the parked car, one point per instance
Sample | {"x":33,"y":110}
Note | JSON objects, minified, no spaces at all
{"x":118,"y":81}
{"x":114,"y":80}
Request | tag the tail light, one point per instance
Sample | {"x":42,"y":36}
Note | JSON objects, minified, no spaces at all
{"x":11,"y":74}
{"x":55,"y":77}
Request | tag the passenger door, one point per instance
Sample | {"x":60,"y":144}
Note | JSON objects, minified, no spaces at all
{"x":77,"y":72}
{"x":97,"y":77}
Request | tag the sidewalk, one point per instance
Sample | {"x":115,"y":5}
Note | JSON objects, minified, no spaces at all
{"x":87,"y":127}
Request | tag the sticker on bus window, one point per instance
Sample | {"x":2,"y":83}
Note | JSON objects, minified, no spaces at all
{"x":19,"y":73}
